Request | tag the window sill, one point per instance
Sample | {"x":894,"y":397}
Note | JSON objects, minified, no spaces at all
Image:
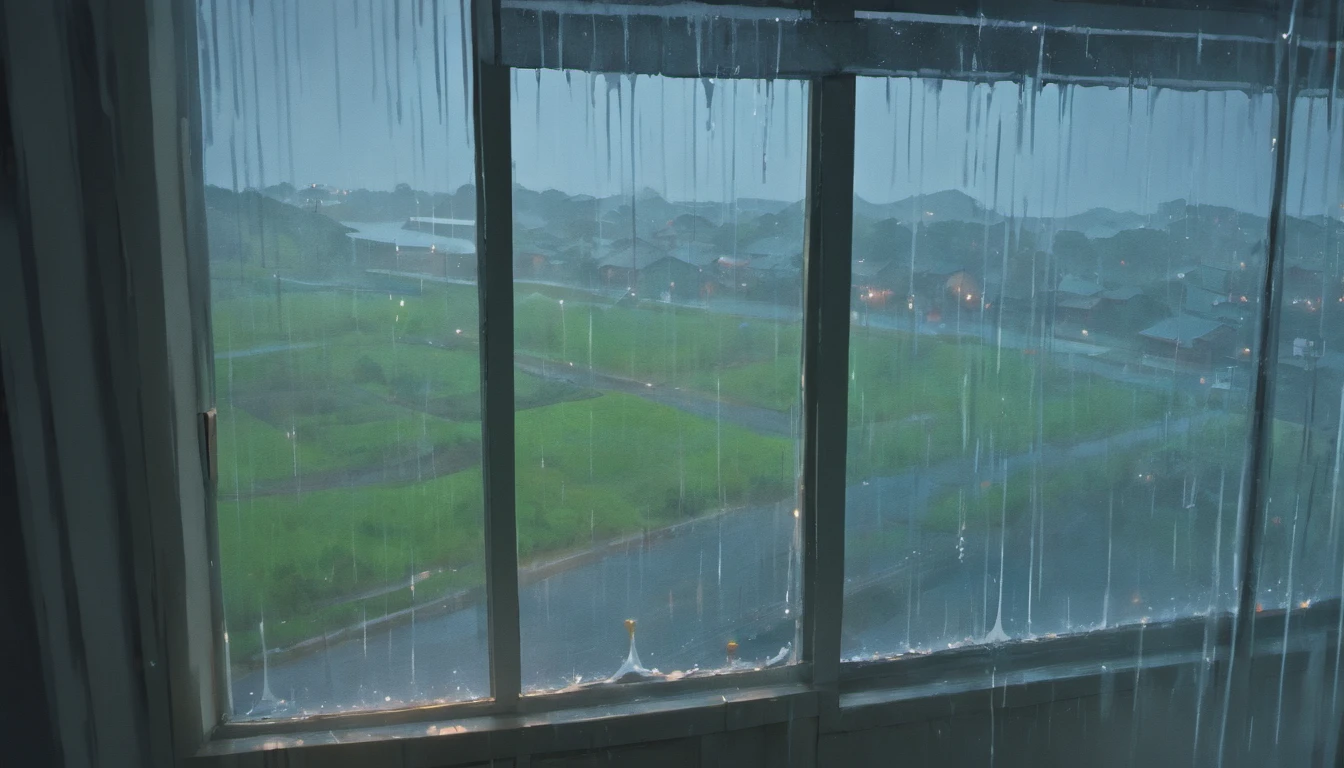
{"x":1027,"y":672}
{"x":872,"y":695}
{"x":495,"y":736}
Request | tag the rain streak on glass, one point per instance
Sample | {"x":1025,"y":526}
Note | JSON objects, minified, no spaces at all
{"x":1051,"y":357}
{"x":340,"y":222}
{"x":1299,"y":561}
{"x":658,"y":237}
{"x":1301,"y":534}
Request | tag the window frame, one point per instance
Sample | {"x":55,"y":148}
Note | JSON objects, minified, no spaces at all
{"x":820,"y":685}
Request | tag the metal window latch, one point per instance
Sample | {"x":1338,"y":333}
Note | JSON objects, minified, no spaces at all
{"x":210,"y":445}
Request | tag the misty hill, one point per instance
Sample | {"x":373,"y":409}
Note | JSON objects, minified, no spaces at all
{"x":946,"y":230}
{"x":1098,"y":222}
{"x":398,"y":204}
{"x":948,"y":205}
{"x":256,"y":231}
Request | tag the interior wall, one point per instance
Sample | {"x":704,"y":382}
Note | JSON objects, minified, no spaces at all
{"x":1160,"y":719}
{"x":27,"y":714}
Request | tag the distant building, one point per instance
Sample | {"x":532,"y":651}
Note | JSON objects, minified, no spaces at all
{"x":538,"y":254}
{"x":464,"y":229}
{"x":1125,"y":311}
{"x":1213,"y":305}
{"x":1122,"y":295}
{"x":879,"y":282}
{"x":1072,"y":286}
{"x":933,"y":280}
{"x":621,"y":261}
{"x":406,"y":247}
{"x":1075,"y":301}
{"x":1188,"y":339}
{"x":534,"y":262}
{"x":1305,"y":368}
{"x":1208,"y":278}
{"x":774,"y":263}
{"x":689,"y":271}
{"x":1302,"y":284}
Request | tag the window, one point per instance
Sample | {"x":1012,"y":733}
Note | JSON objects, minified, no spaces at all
{"x":340,"y":216}
{"x":1298,"y":562}
{"x":1051,"y":357}
{"x":658,"y":240}
{"x":1055,"y":321}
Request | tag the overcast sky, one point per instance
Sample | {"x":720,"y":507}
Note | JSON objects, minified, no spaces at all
{"x":344,"y":94}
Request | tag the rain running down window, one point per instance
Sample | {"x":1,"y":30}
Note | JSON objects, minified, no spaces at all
{"x":658,"y":238}
{"x":1299,"y":561}
{"x":340,"y":219}
{"x":1054,"y":313}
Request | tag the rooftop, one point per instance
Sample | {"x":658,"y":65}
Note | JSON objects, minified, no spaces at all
{"x":1123,"y":294}
{"x":392,"y":233}
{"x":627,"y":254}
{"x":1079,"y":287}
{"x":1185,"y":330}
{"x":441,"y":222}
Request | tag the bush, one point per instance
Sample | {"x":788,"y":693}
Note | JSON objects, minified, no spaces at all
{"x":369,"y":371}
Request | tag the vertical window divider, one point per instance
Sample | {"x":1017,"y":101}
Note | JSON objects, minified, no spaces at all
{"x":494,"y":279}
{"x":201,"y":324}
{"x":1255,"y":486}
{"x":827,"y":253}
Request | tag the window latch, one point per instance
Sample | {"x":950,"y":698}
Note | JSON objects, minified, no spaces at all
{"x":210,"y":446}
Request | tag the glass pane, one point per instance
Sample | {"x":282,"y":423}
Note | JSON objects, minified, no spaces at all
{"x":342,"y":262}
{"x":658,"y":289}
{"x":1298,"y":559}
{"x":1055,"y":300}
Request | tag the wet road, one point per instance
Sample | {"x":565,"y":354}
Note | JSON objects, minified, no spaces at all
{"x":729,"y":577}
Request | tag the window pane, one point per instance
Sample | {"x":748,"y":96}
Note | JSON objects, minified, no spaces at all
{"x":1298,"y":559}
{"x":342,"y":258}
{"x":1055,"y":301}
{"x":658,"y":237}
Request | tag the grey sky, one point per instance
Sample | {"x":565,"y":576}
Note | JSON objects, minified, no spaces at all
{"x":1115,"y":148}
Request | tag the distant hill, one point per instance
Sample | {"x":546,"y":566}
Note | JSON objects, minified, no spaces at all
{"x":948,"y":205}
{"x":401,"y":203}
{"x":1100,"y":222}
{"x":285,"y":225}
{"x":761,"y":205}
{"x":257,"y":231}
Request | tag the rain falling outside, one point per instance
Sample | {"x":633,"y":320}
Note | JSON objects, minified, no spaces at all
{"x":1055,"y":329}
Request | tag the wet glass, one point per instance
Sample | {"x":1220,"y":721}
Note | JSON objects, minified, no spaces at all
{"x":658,"y":238}
{"x":1056,"y":295}
{"x":1298,"y":561}
{"x":338,"y":162}
{"x":1297,"y":565}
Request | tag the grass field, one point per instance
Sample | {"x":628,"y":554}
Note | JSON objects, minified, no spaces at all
{"x":350,"y":433}
{"x":1158,"y":478}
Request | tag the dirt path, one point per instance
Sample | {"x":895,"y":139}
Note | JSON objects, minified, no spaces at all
{"x":440,"y":460}
{"x":762,"y":420}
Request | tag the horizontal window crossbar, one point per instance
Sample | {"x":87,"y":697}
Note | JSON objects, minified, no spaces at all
{"x":746,"y":44}
{"x":1052,"y":657}
{"x":620,"y":696}
{"x":871,"y":693}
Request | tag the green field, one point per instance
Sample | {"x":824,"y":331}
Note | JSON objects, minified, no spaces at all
{"x":350,"y":434}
